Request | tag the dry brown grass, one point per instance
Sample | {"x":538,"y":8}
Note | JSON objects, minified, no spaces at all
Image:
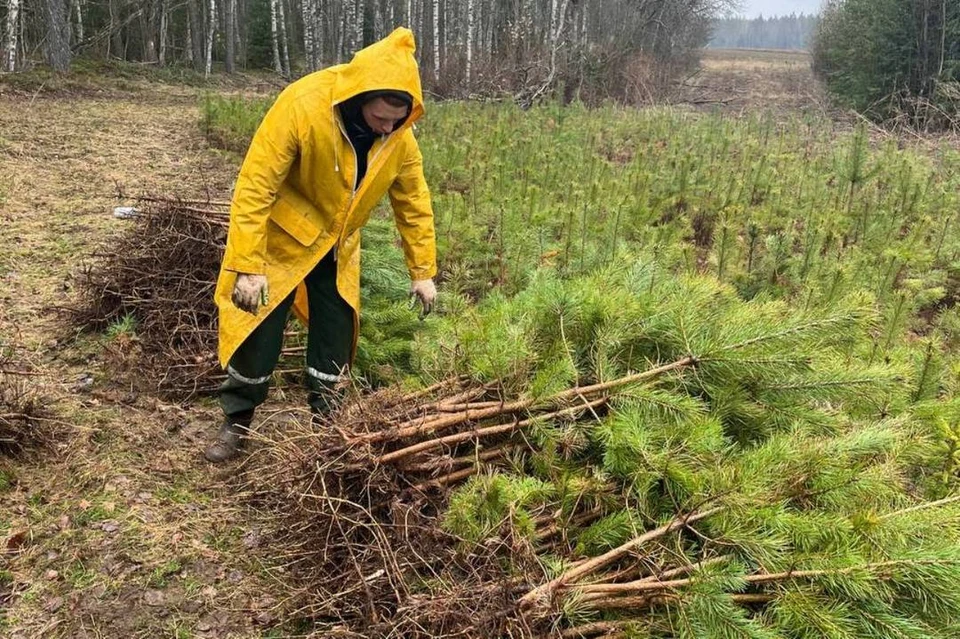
{"x":120,"y":529}
{"x":746,"y":80}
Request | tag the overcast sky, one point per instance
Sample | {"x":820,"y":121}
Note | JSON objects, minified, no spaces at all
{"x":753,"y":8}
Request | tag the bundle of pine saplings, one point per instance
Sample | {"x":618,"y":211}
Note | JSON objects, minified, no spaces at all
{"x":631,"y":454}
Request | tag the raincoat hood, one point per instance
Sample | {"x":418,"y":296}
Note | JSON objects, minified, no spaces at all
{"x":386,"y":65}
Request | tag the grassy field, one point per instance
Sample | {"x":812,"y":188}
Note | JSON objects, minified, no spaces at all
{"x":119,"y":529}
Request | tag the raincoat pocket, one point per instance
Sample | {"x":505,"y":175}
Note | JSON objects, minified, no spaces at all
{"x":294,"y":223}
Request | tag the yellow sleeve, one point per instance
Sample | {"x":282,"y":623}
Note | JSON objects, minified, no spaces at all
{"x":271,"y":154}
{"x":413,"y":214}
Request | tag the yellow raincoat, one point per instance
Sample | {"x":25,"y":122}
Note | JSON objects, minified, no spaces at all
{"x":294,"y":200}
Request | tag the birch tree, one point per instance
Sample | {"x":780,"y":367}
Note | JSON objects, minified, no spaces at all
{"x":311,"y":33}
{"x":10,"y":38}
{"x":436,"y":40}
{"x":283,"y":38}
{"x":359,"y":16}
{"x":79,"y":23}
{"x":274,"y":38}
{"x":469,"y":52}
{"x":211,"y":29}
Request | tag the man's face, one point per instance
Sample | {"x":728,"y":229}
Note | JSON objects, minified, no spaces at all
{"x":381,"y":116}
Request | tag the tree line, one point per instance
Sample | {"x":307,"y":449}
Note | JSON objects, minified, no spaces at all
{"x":893,"y":59}
{"x":781,"y":32}
{"x":465,"y":46}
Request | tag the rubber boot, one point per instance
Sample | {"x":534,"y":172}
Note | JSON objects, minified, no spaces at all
{"x":230,"y":439}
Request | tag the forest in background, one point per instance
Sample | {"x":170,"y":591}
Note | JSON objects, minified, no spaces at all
{"x":894,"y":60}
{"x":607,"y":48}
{"x":777,"y":32}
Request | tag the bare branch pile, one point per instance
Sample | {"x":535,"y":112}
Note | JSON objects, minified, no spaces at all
{"x":153,"y":287}
{"x":22,"y":413}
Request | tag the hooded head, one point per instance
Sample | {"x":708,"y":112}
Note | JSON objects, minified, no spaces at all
{"x":387,"y":66}
{"x":375,"y":112}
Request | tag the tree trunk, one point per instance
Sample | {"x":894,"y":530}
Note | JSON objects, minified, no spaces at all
{"x":148,"y":26}
{"x":943,"y":38}
{"x":283,"y":38}
{"x":436,"y":40}
{"x":188,"y":48}
{"x":421,"y":27}
{"x":115,"y":41}
{"x":338,"y":26}
{"x":240,"y":33}
{"x":197,"y":31}
{"x":470,"y":16}
{"x":162,"y":56}
{"x":274,"y":39}
{"x":79,"y":25}
{"x":377,"y":20}
{"x":360,"y":16}
{"x":57,"y":46}
{"x":10,"y":51}
{"x":211,"y":28}
{"x":311,"y":38}
{"x":230,"y":7}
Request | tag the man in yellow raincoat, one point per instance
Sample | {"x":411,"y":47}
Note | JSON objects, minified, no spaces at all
{"x":330,"y":147}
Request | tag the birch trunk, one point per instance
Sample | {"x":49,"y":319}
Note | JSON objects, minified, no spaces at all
{"x":470,"y":16}
{"x":308,"y":13}
{"x":553,"y":18}
{"x":349,"y":19}
{"x":274,"y":40}
{"x":79,"y":25}
{"x":377,"y":20}
{"x":421,"y":25}
{"x":283,"y":38}
{"x":211,"y":29}
{"x":10,"y":51}
{"x":360,"y":15}
{"x":436,"y":40}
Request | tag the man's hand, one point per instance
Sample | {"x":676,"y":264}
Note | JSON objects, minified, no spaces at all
{"x":249,"y":292}
{"x":426,"y":292}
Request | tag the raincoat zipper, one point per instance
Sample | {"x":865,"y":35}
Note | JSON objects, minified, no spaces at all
{"x":353,"y":193}
{"x":356,"y":170}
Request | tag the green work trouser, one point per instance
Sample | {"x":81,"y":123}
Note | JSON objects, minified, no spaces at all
{"x":329,"y":345}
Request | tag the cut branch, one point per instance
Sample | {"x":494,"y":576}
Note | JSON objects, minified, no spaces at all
{"x":612,"y":555}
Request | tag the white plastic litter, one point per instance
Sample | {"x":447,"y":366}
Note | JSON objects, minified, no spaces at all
{"x":125,"y":212}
